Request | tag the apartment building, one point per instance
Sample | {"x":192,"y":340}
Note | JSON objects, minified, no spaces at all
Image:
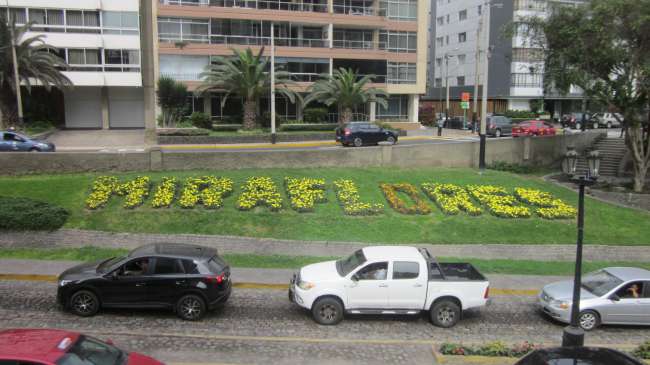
{"x":386,"y":38}
{"x":516,"y":63}
{"x":100,"y":40}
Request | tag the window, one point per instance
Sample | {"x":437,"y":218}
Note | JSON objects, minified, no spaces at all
{"x":87,"y":349}
{"x":190,"y":267}
{"x":397,"y":41}
{"x":440,"y":20}
{"x":438,"y":82}
{"x":405,"y":270}
{"x":462,"y":15}
{"x":376,"y":271}
{"x":527,"y":55}
{"x":461,"y":59}
{"x":136,"y":267}
{"x":460,"y":81}
{"x":480,"y":9}
{"x":166,"y":266}
{"x":447,"y":40}
{"x":434,"y":272}
{"x":84,"y":57}
{"x":462,"y":37}
{"x":120,"y":22}
{"x":401,"y":73}
{"x":397,"y":108}
{"x":17,"y":14}
{"x":439,"y":61}
{"x":447,"y":18}
{"x":400,"y":9}
{"x":122,"y":56}
{"x":439,"y":41}
{"x":526,"y":80}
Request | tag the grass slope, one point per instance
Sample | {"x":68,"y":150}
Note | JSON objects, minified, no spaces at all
{"x":605,"y":223}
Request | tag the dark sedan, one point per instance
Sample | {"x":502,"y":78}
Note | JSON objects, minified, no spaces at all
{"x":16,"y":142}
{"x":363,"y":133}
{"x":186,"y":278}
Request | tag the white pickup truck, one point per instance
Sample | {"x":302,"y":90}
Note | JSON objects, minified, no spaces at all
{"x":389,"y":280}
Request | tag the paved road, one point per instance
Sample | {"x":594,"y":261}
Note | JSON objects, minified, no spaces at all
{"x":258,"y":326}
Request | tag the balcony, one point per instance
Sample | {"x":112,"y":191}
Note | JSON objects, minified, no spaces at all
{"x":242,"y":40}
{"x":316,"y":6}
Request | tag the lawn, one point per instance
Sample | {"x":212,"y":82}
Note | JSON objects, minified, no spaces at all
{"x":605,"y":223}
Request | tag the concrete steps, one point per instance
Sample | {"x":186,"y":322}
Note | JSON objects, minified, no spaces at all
{"x":612,"y":151}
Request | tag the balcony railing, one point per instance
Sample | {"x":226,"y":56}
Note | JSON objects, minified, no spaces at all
{"x":243,"y":40}
{"x":195,"y":76}
{"x":253,"y":4}
{"x":102,"y":68}
{"x":350,"y":44}
{"x":358,"y":10}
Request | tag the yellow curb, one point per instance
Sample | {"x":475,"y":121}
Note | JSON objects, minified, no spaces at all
{"x":28,"y":277}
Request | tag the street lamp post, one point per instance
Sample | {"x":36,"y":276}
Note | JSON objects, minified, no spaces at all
{"x":273,"y":135}
{"x":573,"y":334}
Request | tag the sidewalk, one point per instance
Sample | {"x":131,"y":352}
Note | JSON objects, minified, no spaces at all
{"x":269,"y":246}
{"x":262,"y":276}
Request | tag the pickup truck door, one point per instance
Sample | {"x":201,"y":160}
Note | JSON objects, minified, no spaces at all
{"x":408,"y":285}
{"x":368,"y":288}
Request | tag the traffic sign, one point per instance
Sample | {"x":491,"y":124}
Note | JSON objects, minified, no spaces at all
{"x":465,"y":96}
{"x":464,"y":104}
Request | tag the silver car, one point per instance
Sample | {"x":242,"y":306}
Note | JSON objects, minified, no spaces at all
{"x":614,"y":295}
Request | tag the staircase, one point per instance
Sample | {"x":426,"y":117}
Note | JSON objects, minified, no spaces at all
{"x":612,"y":150}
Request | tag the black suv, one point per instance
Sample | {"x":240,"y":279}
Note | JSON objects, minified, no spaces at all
{"x":362,"y":133}
{"x":186,"y":278}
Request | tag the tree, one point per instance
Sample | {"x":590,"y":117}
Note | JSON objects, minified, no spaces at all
{"x":245,"y":75}
{"x":345,"y":89}
{"x":38,"y":64}
{"x":172,"y":98}
{"x":604,"y":48}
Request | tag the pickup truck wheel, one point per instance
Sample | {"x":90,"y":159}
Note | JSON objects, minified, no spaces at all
{"x":327,"y":311}
{"x":445,"y":313}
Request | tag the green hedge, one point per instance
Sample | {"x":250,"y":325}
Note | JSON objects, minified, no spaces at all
{"x":326,"y":127}
{"x":184,"y":132}
{"x":22,"y":214}
{"x":226,"y":127}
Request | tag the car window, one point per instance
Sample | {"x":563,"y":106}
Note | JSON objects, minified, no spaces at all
{"x":9,"y":137}
{"x":190,"y":267}
{"x":374,"y":271}
{"x":166,"y":266}
{"x":405,"y":270}
{"x":600,"y":282}
{"x":373,"y":128}
{"x":137,"y":267}
{"x":216,"y":265}
{"x":646,"y":289}
{"x":88,"y":351}
{"x":632,"y":290}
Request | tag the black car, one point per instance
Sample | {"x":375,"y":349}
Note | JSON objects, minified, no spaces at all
{"x":362,"y":133}
{"x":186,"y":278}
{"x":577,"y":355}
{"x":15,"y":142}
{"x":575,"y":120}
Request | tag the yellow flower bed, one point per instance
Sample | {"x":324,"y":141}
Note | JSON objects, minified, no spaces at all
{"x":259,"y":191}
{"x":165,"y":193}
{"x":102,"y":189}
{"x":547,"y":206}
{"x":304,"y":193}
{"x":390,"y":191}
{"x":451,"y":199}
{"x":348,"y":196}
{"x":207,"y":190}
{"x":135,"y":191}
{"x":498,"y":201}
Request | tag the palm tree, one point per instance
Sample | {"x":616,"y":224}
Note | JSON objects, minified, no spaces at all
{"x":245,"y":75}
{"x":345,"y":89}
{"x":38,"y":64}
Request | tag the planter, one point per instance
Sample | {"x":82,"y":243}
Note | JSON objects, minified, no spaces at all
{"x":262,"y":138}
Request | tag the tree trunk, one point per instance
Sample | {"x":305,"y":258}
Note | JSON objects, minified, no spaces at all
{"x":637,"y":143}
{"x":345,"y":116}
{"x":250,"y":114}
{"x":8,"y":109}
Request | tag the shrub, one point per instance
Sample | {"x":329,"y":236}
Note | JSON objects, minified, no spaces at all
{"x":183,"y":132}
{"x":325,"y":127}
{"x":496,"y":349}
{"x":200,"y":120}
{"x":294,"y":121}
{"x":643,"y":351}
{"x":315,"y":115}
{"x":515,"y":168}
{"x":523,"y":114}
{"x":226,"y":127}
{"x":39,"y":126}
{"x":20,"y":214}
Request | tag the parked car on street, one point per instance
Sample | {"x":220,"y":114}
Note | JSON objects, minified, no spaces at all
{"x":608,"y":120}
{"x":614,"y":295}
{"x":577,"y":355}
{"x":363,"y":133}
{"x":457,"y":122}
{"x":498,"y":126}
{"x":57,"y":347}
{"x":533,"y":128}
{"x":575,"y":120}
{"x":16,"y":142}
{"x":389,"y":280}
{"x":186,"y":278}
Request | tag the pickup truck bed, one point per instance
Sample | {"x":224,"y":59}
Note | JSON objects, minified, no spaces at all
{"x":454,"y":272}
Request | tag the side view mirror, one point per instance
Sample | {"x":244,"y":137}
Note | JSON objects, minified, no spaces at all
{"x":615,"y":298}
{"x":354,"y":278}
{"x":114,"y":275}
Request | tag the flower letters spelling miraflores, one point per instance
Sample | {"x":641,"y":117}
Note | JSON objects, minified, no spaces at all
{"x":304,"y":193}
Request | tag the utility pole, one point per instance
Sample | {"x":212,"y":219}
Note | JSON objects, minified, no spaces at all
{"x":486,"y":66}
{"x":273,"y":135}
{"x":14,"y":58}
{"x":447,"y":87}
{"x":477,"y":70}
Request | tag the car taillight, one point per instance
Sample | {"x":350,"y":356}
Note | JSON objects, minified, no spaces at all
{"x":487,"y":293}
{"x":217,"y":279}
{"x":347,"y":131}
{"x":492,"y":126}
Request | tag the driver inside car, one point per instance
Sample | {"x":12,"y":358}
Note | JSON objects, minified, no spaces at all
{"x":136,"y":268}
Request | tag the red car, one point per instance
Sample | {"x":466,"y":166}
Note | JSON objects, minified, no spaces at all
{"x":57,"y":347}
{"x":533,"y":128}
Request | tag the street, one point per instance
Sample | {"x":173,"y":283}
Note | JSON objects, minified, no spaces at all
{"x":260,"y":324}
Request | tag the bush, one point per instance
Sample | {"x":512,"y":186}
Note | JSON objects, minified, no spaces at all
{"x":510,"y":167}
{"x":520,"y":114}
{"x":325,"y":127}
{"x":294,"y":121}
{"x":183,"y":132}
{"x":315,"y":115}
{"x":496,"y":349}
{"x":226,"y":127}
{"x":643,"y":351}
{"x":23,"y":214}
{"x":200,"y":120}
{"x":232,"y":119}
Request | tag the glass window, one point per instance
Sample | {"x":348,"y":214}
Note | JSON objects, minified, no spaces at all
{"x":111,"y":19}
{"x":55,"y":17}
{"x":129,"y":19}
{"x":113,"y":56}
{"x":136,"y":267}
{"x":405,"y":270}
{"x":90,"y":351}
{"x":345,"y":266}
{"x":93,"y":57}
{"x":75,"y":17}
{"x":166,"y":266}
{"x":91,"y":18}
{"x":600,"y":282}
{"x":16,"y":14}
{"x":190,"y":267}
{"x":76,"y":57}
{"x":37,"y":16}
{"x":131,"y":57}
{"x":375,"y":271}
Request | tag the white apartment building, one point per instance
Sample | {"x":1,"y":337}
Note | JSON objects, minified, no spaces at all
{"x":100,"y":40}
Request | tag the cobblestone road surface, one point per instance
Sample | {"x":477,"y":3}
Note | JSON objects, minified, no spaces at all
{"x":260,"y":326}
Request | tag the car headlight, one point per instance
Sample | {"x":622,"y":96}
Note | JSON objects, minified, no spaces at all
{"x":561,"y":304}
{"x":305,"y":285}
{"x":65,"y":282}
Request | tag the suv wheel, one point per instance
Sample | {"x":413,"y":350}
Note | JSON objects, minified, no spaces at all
{"x":445,"y":313}
{"x":327,"y":311}
{"x":609,"y":125}
{"x":390,"y":139}
{"x":190,"y":307}
{"x":358,"y":142}
{"x":578,"y":125}
{"x":589,"y":320}
{"x":596,"y":125}
{"x":84,"y":303}
{"x":497,"y":134}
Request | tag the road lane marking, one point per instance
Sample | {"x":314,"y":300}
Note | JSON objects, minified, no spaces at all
{"x":248,"y":285}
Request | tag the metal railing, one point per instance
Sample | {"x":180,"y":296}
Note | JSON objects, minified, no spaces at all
{"x":305,"y":76}
{"x":356,"y":10}
{"x":253,"y":4}
{"x":48,"y":28}
{"x":350,"y":44}
{"x":243,"y":40}
{"x":102,"y":68}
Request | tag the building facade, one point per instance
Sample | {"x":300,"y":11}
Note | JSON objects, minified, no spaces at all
{"x":100,"y":40}
{"x":386,"y":38}
{"x":515,"y":64}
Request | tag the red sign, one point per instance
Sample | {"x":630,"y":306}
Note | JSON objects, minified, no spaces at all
{"x":465,"y":96}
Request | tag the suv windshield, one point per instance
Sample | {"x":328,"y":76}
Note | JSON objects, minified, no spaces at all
{"x":600,"y":282}
{"x":107,"y":264}
{"x":345,"y":266}
{"x":88,"y":351}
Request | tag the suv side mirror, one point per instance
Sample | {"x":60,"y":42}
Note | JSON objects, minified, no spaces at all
{"x":115,"y":275}
{"x":354,"y":277}
{"x":615,"y":298}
